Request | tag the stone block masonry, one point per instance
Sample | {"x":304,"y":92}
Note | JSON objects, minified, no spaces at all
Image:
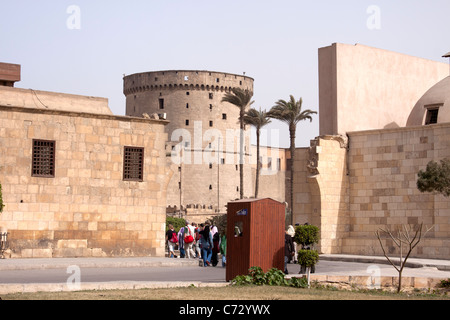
{"x":200,"y":124}
{"x":351,"y":191}
{"x":86,"y":208}
{"x":383,"y":167}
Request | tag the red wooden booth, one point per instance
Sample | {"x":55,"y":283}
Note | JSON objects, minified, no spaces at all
{"x":255,"y":236}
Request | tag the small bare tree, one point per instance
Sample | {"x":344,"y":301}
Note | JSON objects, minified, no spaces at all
{"x":406,"y":238}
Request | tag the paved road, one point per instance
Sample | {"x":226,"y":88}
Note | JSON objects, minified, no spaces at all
{"x":175,"y":270}
{"x":113,"y":274}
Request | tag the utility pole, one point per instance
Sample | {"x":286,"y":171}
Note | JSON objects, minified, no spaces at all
{"x":180,"y":171}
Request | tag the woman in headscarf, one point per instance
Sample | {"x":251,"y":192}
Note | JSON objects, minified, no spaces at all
{"x":291,"y":231}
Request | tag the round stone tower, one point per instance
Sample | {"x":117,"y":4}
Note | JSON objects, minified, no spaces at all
{"x":200,"y":124}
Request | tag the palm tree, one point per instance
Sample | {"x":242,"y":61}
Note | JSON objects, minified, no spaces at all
{"x":258,"y":119}
{"x":242,"y":99}
{"x":291,"y":113}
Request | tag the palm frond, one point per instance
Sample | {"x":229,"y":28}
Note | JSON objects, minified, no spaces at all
{"x":256,"y":118}
{"x":290,"y":111}
{"x":239,"y":97}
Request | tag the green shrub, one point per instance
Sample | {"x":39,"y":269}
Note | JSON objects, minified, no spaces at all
{"x":273,"y":277}
{"x":177,"y":223}
{"x":445,"y":283}
{"x":220,"y":222}
{"x":257,"y":275}
{"x":299,"y":282}
{"x":306,"y":235}
{"x":242,"y":280}
{"x":436,"y":178}
{"x":308,"y":258}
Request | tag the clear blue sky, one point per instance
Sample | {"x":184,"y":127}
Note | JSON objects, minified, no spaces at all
{"x":275,"y":42}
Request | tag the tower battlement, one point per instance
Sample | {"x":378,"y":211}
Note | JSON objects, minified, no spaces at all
{"x":185,"y":80}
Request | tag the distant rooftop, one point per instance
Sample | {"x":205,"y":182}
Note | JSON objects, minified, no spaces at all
{"x":29,"y":98}
{"x":9,"y":74}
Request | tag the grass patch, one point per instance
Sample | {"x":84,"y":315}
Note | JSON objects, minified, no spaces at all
{"x":226,"y":293}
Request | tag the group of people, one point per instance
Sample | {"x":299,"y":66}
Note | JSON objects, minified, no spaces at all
{"x":201,"y":241}
{"x":204,"y":242}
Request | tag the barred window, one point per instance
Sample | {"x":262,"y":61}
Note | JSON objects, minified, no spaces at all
{"x":133,"y":164}
{"x":43,"y":159}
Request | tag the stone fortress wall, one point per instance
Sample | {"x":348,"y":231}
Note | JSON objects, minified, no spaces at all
{"x":353,"y":186}
{"x":199,"y":123}
{"x":356,"y":177}
{"x":383,"y":167}
{"x":360,"y":176}
{"x":186,"y":95}
{"x":86,"y":208}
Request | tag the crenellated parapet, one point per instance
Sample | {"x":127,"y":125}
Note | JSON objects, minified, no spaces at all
{"x":185,"y":80}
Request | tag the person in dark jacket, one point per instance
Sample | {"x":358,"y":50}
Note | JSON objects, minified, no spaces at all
{"x":288,"y":250}
{"x":207,"y":245}
{"x":215,"y":249}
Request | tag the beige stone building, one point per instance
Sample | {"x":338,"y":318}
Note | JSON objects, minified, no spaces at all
{"x":383,"y":117}
{"x":80,"y":181}
{"x":77,"y":180}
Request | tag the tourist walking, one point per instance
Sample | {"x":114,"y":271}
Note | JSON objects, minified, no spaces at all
{"x":181,"y":242}
{"x":215,"y":249}
{"x":197,"y":240}
{"x":288,"y":250}
{"x":291,"y":232}
{"x":223,"y":248}
{"x":214,"y":229}
{"x":171,"y":238}
{"x":206,"y":245}
{"x":200,"y":240}
{"x":189,"y":240}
